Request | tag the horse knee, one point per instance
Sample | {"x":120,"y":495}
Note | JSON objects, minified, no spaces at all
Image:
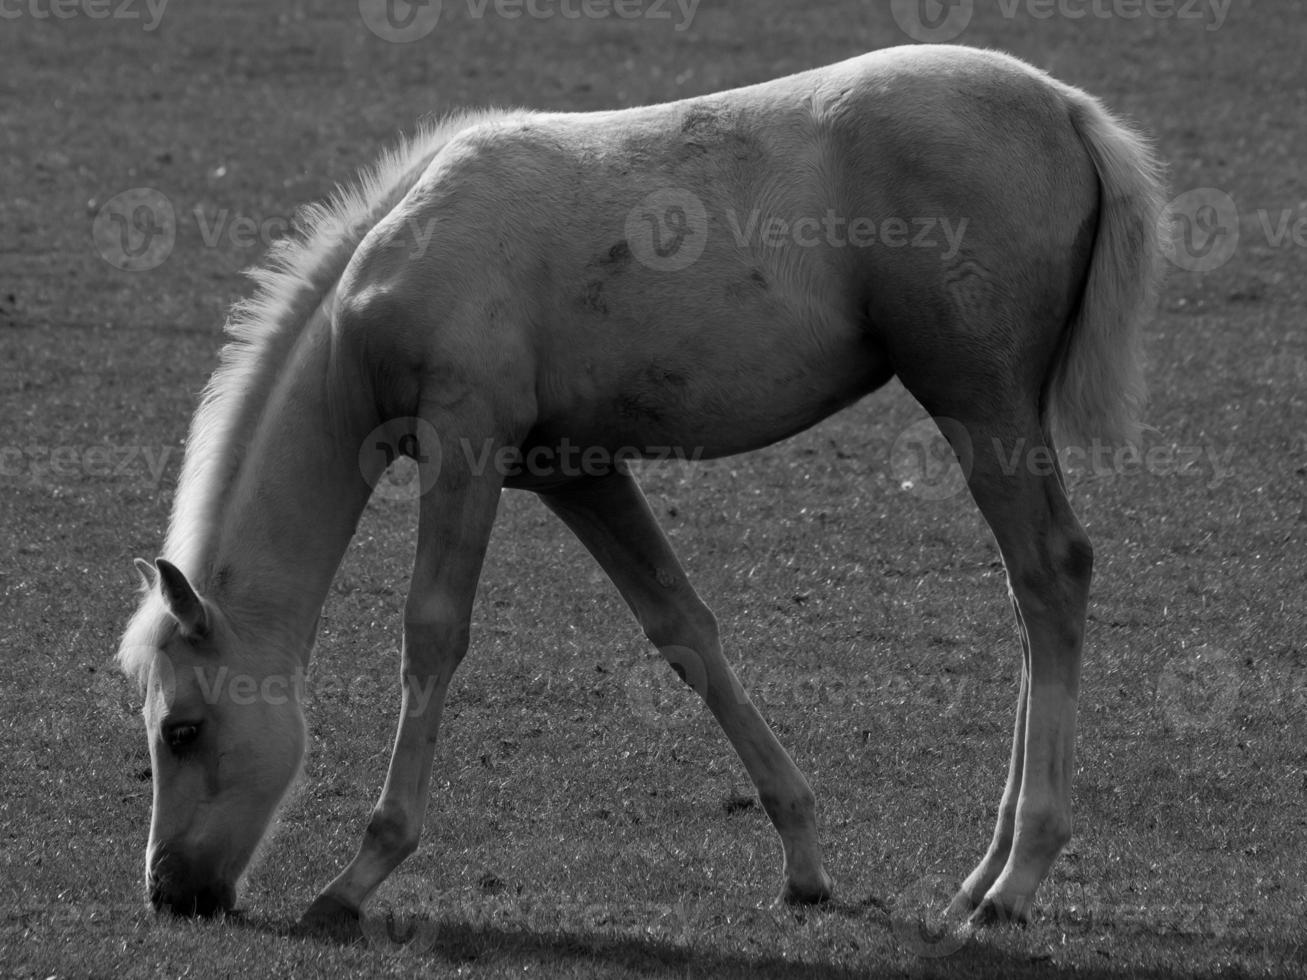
{"x":391,"y":832}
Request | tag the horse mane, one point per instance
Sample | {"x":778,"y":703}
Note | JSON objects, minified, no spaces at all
{"x":294,"y":287}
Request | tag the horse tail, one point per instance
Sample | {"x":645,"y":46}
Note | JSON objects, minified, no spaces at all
{"x":1096,"y":388}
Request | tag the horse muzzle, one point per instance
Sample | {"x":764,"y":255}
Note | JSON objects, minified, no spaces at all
{"x":184,"y":888}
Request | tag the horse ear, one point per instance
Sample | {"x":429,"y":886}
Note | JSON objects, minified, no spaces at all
{"x":183,"y":602}
{"x":146,"y":571}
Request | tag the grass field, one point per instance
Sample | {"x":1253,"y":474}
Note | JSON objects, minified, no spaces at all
{"x":589,"y":819}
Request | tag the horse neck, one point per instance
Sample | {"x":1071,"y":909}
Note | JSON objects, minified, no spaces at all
{"x":298,"y":495}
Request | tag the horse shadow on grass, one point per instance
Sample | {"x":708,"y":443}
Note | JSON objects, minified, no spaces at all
{"x":452,"y":941}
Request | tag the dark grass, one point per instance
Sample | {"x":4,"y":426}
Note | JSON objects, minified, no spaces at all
{"x":587,"y":819}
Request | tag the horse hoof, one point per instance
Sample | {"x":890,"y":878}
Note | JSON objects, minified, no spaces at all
{"x":962,"y":906}
{"x":810,"y":892}
{"x":998,"y":911}
{"x":332,"y":918}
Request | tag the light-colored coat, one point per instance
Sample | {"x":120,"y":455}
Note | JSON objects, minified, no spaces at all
{"x":705,"y":277}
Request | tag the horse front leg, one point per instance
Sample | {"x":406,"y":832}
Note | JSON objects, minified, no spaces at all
{"x":454,"y":523}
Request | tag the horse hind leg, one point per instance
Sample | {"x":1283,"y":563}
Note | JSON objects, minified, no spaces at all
{"x":612,"y":519}
{"x":982,"y":878}
{"x":1014,"y":479}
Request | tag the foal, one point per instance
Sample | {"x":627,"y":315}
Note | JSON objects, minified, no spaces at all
{"x":710,"y":275}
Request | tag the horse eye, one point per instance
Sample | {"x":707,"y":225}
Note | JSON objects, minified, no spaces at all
{"x":181,"y":735}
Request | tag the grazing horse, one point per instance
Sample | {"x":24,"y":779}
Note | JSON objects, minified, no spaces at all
{"x":713,"y":274}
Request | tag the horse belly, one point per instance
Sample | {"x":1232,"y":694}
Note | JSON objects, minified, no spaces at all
{"x":700,"y":379}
